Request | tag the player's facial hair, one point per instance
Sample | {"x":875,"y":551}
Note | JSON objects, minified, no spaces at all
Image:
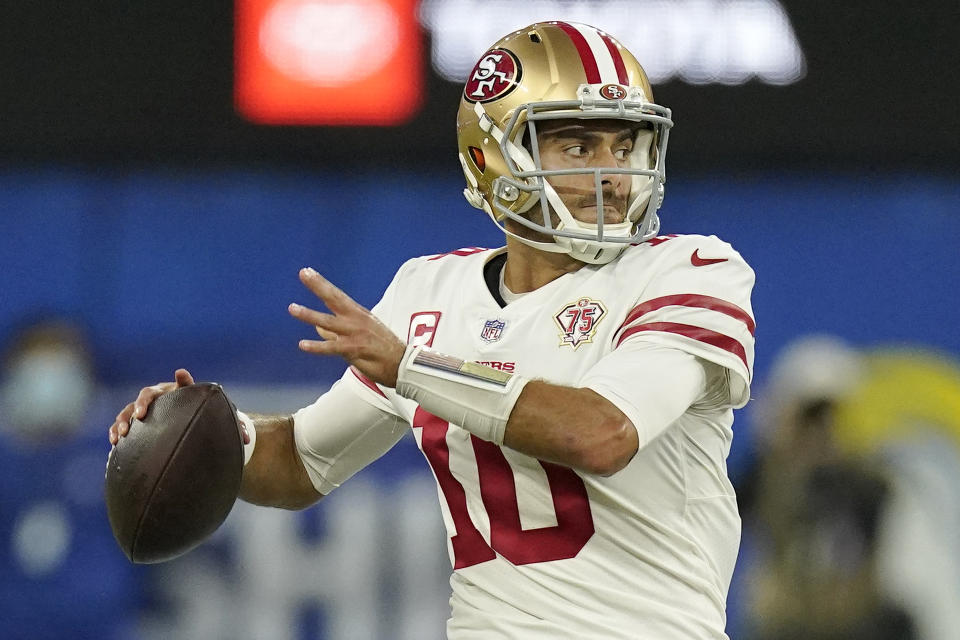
{"x":578,"y":198}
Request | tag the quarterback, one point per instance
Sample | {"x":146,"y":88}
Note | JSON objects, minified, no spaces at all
{"x":572,"y":391}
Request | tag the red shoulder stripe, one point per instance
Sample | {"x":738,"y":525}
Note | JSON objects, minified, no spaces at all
{"x":468,"y":251}
{"x":659,"y":239}
{"x":697,"y":333}
{"x":367,"y":381}
{"x":691,"y":300}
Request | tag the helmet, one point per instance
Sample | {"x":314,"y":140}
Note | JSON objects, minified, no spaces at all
{"x":548,"y":71}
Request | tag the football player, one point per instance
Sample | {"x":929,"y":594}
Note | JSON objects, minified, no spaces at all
{"x":572,"y":391}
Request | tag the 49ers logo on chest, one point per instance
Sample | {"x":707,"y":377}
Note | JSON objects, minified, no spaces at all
{"x":578,"y":321}
{"x":494,"y":76}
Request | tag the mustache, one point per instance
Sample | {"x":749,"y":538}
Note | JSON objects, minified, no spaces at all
{"x":619,"y":202}
{"x":588,"y":197}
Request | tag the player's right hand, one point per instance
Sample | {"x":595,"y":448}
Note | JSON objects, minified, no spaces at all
{"x":138,"y":408}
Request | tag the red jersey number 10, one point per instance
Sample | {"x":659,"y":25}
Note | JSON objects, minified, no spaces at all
{"x":499,"y":493}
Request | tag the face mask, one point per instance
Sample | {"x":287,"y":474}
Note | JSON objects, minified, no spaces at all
{"x":45,"y":393}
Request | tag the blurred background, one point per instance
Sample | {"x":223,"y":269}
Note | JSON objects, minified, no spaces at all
{"x":166,"y":168}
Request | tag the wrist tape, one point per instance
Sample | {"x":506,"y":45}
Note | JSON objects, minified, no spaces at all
{"x":247,"y":422}
{"x":469,"y":395}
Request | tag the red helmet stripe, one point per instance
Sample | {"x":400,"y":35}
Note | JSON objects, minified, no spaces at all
{"x":586,"y":54}
{"x":617,"y":58}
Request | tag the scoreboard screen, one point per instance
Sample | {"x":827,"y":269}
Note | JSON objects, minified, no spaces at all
{"x":316,"y":83}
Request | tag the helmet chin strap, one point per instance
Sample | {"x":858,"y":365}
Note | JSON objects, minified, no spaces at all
{"x":585,"y":250}
{"x":549,"y":247}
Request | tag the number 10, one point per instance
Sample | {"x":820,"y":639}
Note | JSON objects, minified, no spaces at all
{"x":499,"y":493}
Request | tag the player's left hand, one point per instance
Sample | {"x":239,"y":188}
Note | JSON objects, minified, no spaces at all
{"x":349,"y":331}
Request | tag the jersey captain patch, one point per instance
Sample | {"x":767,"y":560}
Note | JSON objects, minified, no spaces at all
{"x":578,"y":321}
{"x":423,"y":327}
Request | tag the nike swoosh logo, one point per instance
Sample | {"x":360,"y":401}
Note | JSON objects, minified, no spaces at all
{"x":697,"y":261}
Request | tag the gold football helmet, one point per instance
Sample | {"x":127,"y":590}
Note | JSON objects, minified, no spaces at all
{"x":548,"y":71}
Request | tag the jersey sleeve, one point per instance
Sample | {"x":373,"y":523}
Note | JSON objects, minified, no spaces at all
{"x":652,"y":385}
{"x":341,"y":433}
{"x":700,"y":303}
{"x":353,"y":423}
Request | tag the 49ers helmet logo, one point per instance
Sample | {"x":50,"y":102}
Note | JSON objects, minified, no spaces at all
{"x":613,"y":92}
{"x":494,"y":76}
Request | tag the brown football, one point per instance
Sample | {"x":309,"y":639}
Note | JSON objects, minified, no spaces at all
{"x":175,"y":476}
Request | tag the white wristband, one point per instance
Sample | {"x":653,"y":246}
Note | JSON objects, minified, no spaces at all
{"x":247,"y":423}
{"x":470,"y":395}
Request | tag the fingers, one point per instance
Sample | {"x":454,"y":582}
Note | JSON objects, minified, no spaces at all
{"x":325,"y":334}
{"x":138,"y":408}
{"x":311,"y":316}
{"x":182,"y":378}
{"x":147,"y":396}
{"x":324,"y":323}
{"x":335,"y":299}
{"x":121,"y":424}
{"x":322,"y":347}
{"x":123,"y":419}
{"x":346,"y":311}
{"x":349,"y":331}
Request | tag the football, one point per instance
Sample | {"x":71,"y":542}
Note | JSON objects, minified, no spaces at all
{"x":171,"y":482}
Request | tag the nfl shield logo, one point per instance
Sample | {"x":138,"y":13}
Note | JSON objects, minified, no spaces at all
{"x":492,"y":329}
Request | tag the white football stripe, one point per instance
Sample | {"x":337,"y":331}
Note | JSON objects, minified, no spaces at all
{"x":608,"y":72}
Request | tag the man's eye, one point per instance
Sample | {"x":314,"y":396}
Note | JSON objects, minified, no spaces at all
{"x":576,"y":150}
{"x":622,"y":154}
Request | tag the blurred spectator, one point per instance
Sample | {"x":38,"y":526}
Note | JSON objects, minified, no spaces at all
{"x":852,"y":506}
{"x":905,"y":416}
{"x":814,"y":510}
{"x":61,"y":573}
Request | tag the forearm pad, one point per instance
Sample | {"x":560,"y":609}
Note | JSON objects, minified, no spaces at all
{"x":470,"y":395}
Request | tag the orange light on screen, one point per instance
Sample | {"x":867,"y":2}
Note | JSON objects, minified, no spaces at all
{"x":327,"y":62}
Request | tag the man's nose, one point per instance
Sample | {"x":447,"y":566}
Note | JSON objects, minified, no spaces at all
{"x":610,"y":180}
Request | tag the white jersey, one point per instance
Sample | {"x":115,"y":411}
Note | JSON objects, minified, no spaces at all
{"x":541,"y":551}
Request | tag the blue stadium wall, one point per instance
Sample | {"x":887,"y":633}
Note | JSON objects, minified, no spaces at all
{"x":174,"y":269}
{"x":196,"y":269}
